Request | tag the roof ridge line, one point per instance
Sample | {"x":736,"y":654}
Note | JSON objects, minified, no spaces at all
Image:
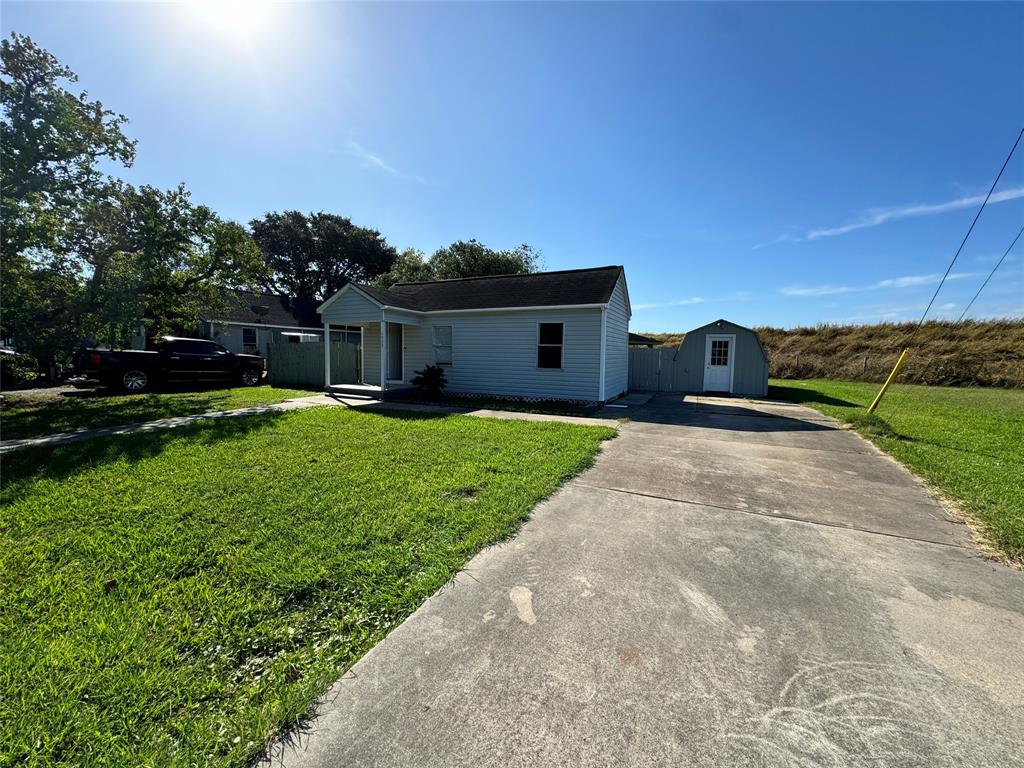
{"x":513,"y":274}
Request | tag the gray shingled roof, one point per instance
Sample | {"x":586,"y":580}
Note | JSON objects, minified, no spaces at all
{"x":537,"y":289}
{"x":638,"y":339}
{"x":266,"y":309}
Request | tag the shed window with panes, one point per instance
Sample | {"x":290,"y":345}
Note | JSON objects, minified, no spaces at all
{"x":442,"y":345}
{"x":549,"y":345}
{"x":719,"y":352}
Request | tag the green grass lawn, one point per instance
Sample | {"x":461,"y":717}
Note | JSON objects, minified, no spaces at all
{"x":26,"y":414}
{"x":967,"y":442}
{"x":177,"y":597}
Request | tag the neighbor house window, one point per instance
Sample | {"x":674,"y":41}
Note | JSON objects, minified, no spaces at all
{"x":442,"y":345}
{"x":249,"y":342}
{"x":549,"y":345}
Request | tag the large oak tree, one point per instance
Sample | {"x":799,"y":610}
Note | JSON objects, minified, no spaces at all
{"x":84,"y":255}
{"x":312,"y":256}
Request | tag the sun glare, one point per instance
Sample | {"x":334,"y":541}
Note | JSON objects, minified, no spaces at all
{"x":235,"y":18}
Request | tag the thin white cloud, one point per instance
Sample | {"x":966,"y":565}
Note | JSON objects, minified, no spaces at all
{"x":673,"y":303}
{"x":373,"y":160}
{"x":906,"y":281}
{"x":877,"y":216}
{"x":815,"y":290}
{"x":737,"y":296}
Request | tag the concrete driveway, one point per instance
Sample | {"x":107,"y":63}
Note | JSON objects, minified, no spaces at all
{"x":731,"y":584}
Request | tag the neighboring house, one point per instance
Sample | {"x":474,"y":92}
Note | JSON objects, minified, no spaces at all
{"x":722,"y":357}
{"x":638,"y":340}
{"x":549,"y":335}
{"x":252,"y":321}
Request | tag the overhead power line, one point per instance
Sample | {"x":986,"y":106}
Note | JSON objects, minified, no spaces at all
{"x":998,"y":263}
{"x":964,"y":241}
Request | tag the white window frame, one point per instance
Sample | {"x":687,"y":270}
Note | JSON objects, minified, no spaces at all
{"x":450,"y":346}
{"x":255,"y":332}
{"x":561,"y":347}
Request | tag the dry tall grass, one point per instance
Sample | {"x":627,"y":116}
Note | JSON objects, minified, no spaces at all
{"x":989,"y":353}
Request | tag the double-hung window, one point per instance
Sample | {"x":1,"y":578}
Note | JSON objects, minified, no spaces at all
{"x":442,"y":345}
{"x":549,"y":345}
{"x":249,"y":340}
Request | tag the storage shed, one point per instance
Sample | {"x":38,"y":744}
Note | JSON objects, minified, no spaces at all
{"x":723,"y":357}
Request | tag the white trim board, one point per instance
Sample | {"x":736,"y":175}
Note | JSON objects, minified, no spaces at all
{"x":604,"y":340}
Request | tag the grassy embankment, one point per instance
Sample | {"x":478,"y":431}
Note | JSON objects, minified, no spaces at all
{"x":988,"y":353}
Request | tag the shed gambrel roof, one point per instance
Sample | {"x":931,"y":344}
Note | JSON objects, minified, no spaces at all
{"x":718,"y":324}
{"x":537,"y":289}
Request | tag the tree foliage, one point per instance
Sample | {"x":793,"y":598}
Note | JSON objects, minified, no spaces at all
{"x":154,"y":254}
{"x":84,"y":255}
{"x":463,"y":258}
{"x":313,"y":256}
{"x":50,"y":143}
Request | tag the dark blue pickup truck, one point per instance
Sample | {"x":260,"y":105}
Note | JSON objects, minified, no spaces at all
{"x":173,"y":359}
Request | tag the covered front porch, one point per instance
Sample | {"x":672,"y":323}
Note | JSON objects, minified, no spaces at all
{"x":384,"y":368}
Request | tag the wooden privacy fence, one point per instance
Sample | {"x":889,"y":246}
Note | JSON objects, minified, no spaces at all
{"x":302,"y":365}
{"x":656,"y":370}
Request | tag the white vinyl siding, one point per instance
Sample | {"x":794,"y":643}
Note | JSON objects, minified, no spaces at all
{"x":350,"y":308}
{"x":616,"y":349}
{"x":371,"y":353}
{"x":496,"y":353}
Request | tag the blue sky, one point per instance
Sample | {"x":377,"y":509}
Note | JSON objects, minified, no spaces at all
{"x":772,"y":164}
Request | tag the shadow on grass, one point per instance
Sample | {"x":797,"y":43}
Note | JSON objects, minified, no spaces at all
{"x":553,"y":407}
{"x":807,"y":395}
{"x":27,"y":416}
{"x":62,"y":461}
{"x":405,"y":412}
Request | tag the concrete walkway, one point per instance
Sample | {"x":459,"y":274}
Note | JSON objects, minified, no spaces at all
{"x":172,"y":422}
{"x":62,"y":438}
{"x":731,"y":584}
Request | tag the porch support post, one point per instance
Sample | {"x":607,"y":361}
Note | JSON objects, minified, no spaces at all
{"x":383,"y":353}
{"x":327,"y":355}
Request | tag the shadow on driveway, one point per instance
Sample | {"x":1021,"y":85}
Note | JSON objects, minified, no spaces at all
{"x":677,"y":410}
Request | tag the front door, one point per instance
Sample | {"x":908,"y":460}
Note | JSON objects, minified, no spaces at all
{"x":718,"y":357}
{"x":395,"y":362}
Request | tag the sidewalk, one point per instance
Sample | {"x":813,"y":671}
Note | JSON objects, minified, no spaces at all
{"x":312,"y":401}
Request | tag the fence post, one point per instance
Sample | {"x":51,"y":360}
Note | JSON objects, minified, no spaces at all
{"x":865,"y":365}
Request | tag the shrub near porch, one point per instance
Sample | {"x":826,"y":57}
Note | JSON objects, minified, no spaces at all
{"x":177,"y":597}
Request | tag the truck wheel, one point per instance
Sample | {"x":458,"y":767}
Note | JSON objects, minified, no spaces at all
{"x":134,"y":380}
{"x":251,"y":377}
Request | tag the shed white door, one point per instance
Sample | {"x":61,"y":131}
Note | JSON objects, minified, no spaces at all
{"x":718,"y":361}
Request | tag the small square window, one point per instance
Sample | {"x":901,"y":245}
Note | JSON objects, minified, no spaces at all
{"x":549,"y":345}
{"x":442,"y":344}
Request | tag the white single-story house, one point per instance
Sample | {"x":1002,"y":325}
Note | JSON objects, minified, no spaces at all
{"x":249,"y":322}
{"x":547,"y":335}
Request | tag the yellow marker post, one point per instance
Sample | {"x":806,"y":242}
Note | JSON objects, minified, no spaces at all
{"x":892,"y":377}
